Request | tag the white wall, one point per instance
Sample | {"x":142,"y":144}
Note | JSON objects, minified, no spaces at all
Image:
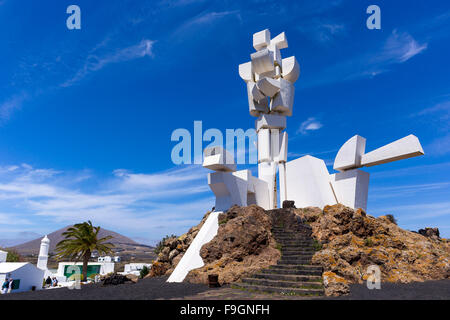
{"x":28,"y":275}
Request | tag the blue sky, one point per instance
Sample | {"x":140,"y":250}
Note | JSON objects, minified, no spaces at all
{"x":86,"y":115}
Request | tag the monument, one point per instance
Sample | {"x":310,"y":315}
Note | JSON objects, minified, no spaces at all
{"x":270,"y":88}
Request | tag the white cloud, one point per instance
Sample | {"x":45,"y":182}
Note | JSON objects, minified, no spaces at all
{"x":10,"y":105}
{"x":398,"y":48}
{"x":174,"y":199}
{"x":401,"y":47}
{"x":95,"y":63}
{"x":311,"y":124}
{"x":321,"y":31}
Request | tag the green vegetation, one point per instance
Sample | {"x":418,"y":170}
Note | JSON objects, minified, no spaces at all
{"x":80,"y":240}
{"x":368,"y":242}
{"x":391,"y":218}
{"x":144,"y":272}
{"x":317,"y":245}
{"x":13,"y":256}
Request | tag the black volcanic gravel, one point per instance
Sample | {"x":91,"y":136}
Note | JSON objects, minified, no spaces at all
{"x":145,"y":289}
{"x":158,"y":288}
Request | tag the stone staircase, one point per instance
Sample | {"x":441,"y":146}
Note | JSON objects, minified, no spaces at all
{"x":294,"y":274}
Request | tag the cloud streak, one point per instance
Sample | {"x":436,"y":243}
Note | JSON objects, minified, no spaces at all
{"x":94,"y":63}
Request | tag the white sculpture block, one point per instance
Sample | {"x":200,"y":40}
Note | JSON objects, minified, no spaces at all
{"x":290,"y":69}
{"x":282,"y":175}
{"x":228,"y":189}
{"x":256,"y":94}
{"x":282,"y":156}
{"x":192,"y":259}
{"x":264,"y":145}
{"x":280,"y":41}
{"x":277,"y":59}
{"x":270,"y":121}
{"x":404,"y":148}
{"x":308,"y":183}
{"x":349,"y":155}
{"x":268,"y":86}
{"x":218,"y":159}
{"x":267,"y":172}
{"x":262,"y":61}
{"x":255,"y":107}
{"x":283,"y":101}
{"x":261,"y":39}
{"x":246,"y":71}
{"x":351,"y":188}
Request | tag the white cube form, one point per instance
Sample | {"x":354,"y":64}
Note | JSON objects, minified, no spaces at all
{"x":228,"y":189}
{"x":264,"y":145}
{"x":255,"y":92}
{"x":256,"y":107}
{"x":282,"y":155}
{"x":280,"y":41}
{"x":261,"y":39}
{"x":282,"y":175}
{"x":308,"y":183}
{"x":267,"y":172}
{"x":268,"y":86}
{"x":290,"y":69}
{"x":404,"y":148}
{"x":283,"y":101}
{"x":218,"y":159}
{"x":262,"y":61}
{"x":270,"y":121}
{"x":278,"y":145}
{"x":277,"y":59}
{"x":246,"y":71}
{"x":349,"y":155}
{"x":351,"y":188}
{"x":238,"y":188}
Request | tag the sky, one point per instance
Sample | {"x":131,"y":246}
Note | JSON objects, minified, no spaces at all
{"x":86,"y":116}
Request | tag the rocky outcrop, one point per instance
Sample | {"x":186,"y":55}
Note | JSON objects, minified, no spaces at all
{"x":430,"y":233}
{"x":173,"y":250}
{"x":242,"y":246}
{"x":347,"y":241}
{"x":351,"y":241}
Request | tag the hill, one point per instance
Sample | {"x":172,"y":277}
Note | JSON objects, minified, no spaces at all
{"x":32,"y":247}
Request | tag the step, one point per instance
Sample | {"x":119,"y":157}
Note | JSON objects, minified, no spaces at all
{"x":296,"y":244}
{"x":297,"y":267}
{"x":293,"y":272}
{"x":289,"y":291}
{"x":299,"y":252}
{"x":295,"y":262}
{"x":287,"y":277}
{"x":283,"y":283}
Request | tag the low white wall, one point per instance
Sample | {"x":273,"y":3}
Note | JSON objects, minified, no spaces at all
{"x":191,"y":259}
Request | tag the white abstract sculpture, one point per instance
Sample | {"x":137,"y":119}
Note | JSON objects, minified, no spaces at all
{"x":351,"y":185}
{"x":270,"y":88}
{"x":306,"y":180}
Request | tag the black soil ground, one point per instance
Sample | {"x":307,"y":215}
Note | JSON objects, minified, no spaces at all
{"x":145,"y":289}
{"x":158,"y":288}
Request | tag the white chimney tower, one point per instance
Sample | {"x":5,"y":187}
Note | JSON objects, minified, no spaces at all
{"x":43,"y":253}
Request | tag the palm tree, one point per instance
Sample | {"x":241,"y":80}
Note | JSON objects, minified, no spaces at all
{"x":80,"y":240}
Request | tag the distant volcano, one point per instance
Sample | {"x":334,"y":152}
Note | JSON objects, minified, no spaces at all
{"x":32,"y":247}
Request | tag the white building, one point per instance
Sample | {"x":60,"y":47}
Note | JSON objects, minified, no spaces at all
{"x":135,"y":268}
{"x":25,"y":275}
{"x":104,"y":259}
{"x":67,"y":269}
